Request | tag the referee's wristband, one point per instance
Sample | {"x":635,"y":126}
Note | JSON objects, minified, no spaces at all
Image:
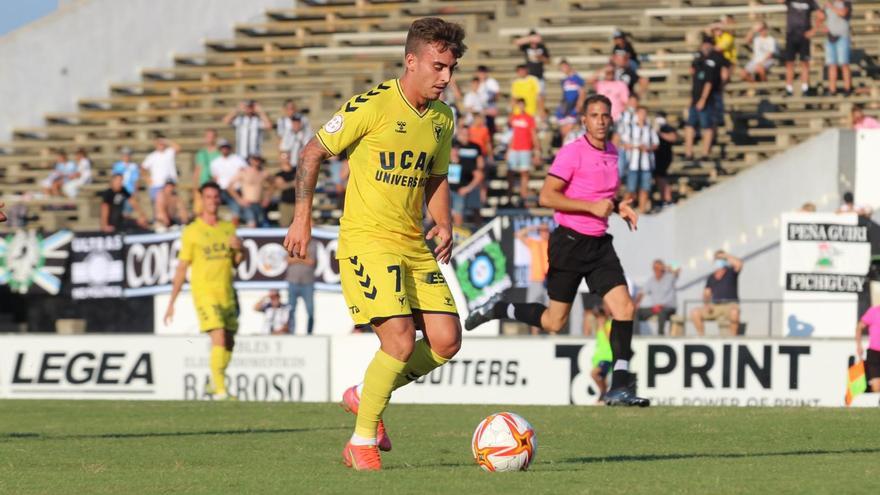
{"x":616,"y":205}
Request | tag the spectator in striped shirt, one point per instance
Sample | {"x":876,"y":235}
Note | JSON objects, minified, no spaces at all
{"x":295,"y":138}
{"x":284,"y":126}
{"x":640,"y":139}
{"x":250,"y":122}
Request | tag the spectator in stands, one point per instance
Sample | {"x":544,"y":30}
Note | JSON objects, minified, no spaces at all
{"x":115,"y":200}
{"x":81,"y":176}
{"x":837,"y":45}
{"x":763,"y":53}
{"x":2,"y":215}
{"x":295,"y":138}
{"x":663,"y":157}
{"x":203,"y":158}
{"x":624,"y":72}
{"x":524,"y":149}
{"x":722,"y":33}
{"x":849,"y":206}
{"x":622,"y":45}
{"x":870,"y":321}
{"x":862,"y":121}
{"x":451,"y":96}
{"x":465,"y":182}
{"x":621,"y":126}
{"x":479,"y":134}
{"x":798,"y":32}
{"x":63,"y":169}
{"x":248,"y":188}
{"x":276,"y":315}
{"x":170,"y":210}
{"x":129,"y":170}
{"x":250,"y":122}
{"x":706,"y":74}
{"x":721,"y":295}
{"x":489,"y":90}
{"x":808,"y":207}
{"x":536,"y":55}
{"x":657,"y":296}
{"x":300,"y":278}
{"x":284,"y":124}
{"x":527,"y":88}
{"x":224,"y":169}
{"x":536,"y":292}
{"x":339,"y":174}
{"x":640,"y":140}
{"x":161,"y":165}
{"x":573,"y":95}
{"x":616,"y":91}
{"x":284,"y":182}
{"x":472,"y":103}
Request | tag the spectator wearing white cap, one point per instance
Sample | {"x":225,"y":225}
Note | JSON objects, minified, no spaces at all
{"x":224,"y":168}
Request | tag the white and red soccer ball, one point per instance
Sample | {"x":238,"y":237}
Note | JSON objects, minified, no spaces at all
{"x":504,"y":442}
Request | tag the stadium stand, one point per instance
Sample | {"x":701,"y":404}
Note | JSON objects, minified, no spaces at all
{"x":321,"y":54}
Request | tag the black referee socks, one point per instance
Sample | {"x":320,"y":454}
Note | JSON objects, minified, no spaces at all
{"x":525,"y":312}
{"x":621,"y":348}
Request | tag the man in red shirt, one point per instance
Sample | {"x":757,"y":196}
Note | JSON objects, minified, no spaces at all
{"x":524,"y":149}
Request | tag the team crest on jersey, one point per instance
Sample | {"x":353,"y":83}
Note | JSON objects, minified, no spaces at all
{"x":401,"y":126}
{"x":438,"y":131}
{"x":333,"y":125}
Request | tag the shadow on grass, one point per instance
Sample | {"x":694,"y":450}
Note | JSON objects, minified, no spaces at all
{"x":720,"y":455}
{"x":159,"y":434}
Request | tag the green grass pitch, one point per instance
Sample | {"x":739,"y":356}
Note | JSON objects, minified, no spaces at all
{"x":74,"y":447}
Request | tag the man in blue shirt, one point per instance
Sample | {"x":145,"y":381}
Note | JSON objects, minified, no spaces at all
{"x":129,"y":170}
{"x":573,"y":94}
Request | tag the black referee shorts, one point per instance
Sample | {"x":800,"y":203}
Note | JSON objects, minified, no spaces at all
{"x":872,"y":365}
{"x":575,"y":256}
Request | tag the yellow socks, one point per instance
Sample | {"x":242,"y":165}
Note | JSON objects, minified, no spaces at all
{"x":218,"y":361}
{"x":421,"y":362}
{"x":379,"y":381}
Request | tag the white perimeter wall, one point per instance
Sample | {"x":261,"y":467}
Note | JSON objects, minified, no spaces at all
{"x":740,"y":215}
{"x":84,"y":46}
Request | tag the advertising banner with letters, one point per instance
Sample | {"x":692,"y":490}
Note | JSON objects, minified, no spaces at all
{"x":517,"y":370}
{"x":824,"y":260}
{"x":160,"y":368}
{"x":97,"y":269}
{"x":150,"y":261}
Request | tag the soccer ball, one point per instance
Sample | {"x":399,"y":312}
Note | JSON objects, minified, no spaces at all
{"x":504,"y":442}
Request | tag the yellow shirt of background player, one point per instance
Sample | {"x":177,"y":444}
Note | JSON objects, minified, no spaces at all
{"x":207,"y":250}
{"x":392,"y":151}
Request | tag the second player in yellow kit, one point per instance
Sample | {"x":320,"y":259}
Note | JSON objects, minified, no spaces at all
{"x":207,"y":249}
{"x":385,"y":267}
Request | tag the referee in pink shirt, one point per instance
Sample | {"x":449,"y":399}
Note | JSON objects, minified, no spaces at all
{"x":581,"y":187}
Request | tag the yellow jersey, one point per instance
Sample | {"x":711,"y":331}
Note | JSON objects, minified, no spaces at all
{"x":392,"y":151}
{"x":207,"y":250}
{"x":528,"y":88}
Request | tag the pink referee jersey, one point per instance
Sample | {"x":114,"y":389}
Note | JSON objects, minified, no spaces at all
{"x":871,"y":319}
{"x":590,"y":175}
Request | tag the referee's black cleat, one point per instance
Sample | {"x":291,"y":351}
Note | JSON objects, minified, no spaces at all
{"x":481,"y":314}
{"x":626,"y":398}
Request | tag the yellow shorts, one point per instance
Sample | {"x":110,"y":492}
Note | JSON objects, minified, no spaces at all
{"x":385,"y":284}
{"x":215,"y":313}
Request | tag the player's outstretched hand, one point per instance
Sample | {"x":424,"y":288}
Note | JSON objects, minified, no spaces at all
{"x":2,"y":215}
{"x":628,"y":214}
{"x":169,"y":315}
{"x":296,"y":242}
{"x":443,"y":233}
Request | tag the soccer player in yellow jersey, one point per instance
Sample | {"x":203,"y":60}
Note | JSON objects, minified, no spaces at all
{"x":397,"y":137}
{"x":210,"y":246}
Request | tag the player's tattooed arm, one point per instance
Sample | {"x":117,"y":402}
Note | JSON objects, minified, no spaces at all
{"x":300,"y":232}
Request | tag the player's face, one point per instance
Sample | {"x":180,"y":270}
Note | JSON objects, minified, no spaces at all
{"x":597,"y":120}
{"x":210,"y":200}
{"x":431,"y":69}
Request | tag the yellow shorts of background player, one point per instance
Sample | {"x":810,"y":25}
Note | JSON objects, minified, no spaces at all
{"x":385,"y":284}
{"x":215,"y":313}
